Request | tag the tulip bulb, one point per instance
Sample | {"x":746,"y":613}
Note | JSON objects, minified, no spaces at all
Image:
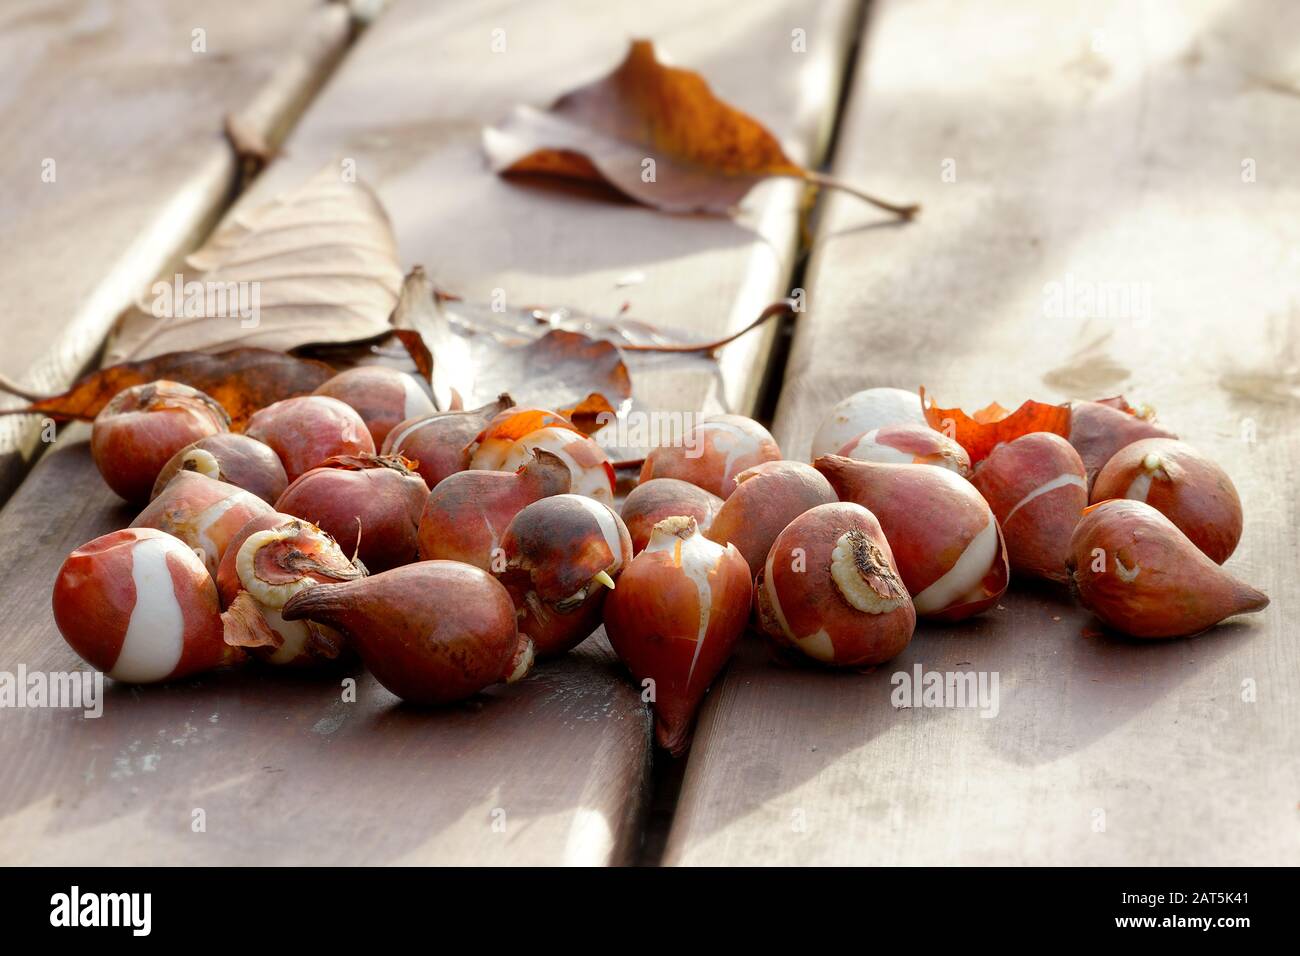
{"x":509,"y":439}
{"x":203,"y":512}
{"x":1182,"y":484}
{"x":829,"y":588}
{"x":652,"y":501}
{"x":1098,"y":431}
{"x":563,"y":554}
{"x":382,"y":396}
{"x":713,"y":454}
{"x":863,"y":411}
{"x":767,"y":498}
{"x":1133,"y":568}
{"x":438,"y":443}
{"x":676,"y":616}
{"x":306,"y":430}
{"x":142,"y":427}
{"x":466,"y":516}
{"x":272,"y":558}
{"x":1037,"y":489}
{"x":945,"y":539}
{"x":432,"y":632}
{"x":908,"y":444}
{"x":370,"y":504}
{"x":139,"y":605}
{"x":235,"y":459}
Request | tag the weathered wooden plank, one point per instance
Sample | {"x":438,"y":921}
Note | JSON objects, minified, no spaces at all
{"x":1096,"y":144}
{"x":286,"y":771}
{"x":432,"y":81}
{"x":115,"y":163}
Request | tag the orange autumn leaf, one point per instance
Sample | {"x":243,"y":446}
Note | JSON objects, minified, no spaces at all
{"x":241,"y":380}
{"x":980,"y":432}
{"x":655,"y":133}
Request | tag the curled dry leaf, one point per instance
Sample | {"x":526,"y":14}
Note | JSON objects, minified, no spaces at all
{"x":242,"y":380}
{"x":980,"y":432}
{"x":316,"y":265}
{"x":441,"y":356}
{"x":707,"y":154}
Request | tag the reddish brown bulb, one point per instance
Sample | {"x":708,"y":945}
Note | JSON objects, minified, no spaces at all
{"x":369,"y":504}
{"x":676,"y":616}
{"x":713,"y":453}
{"x":767,"y":498}
{"x":235,"y":459}
{"x":203,"y":512}
{"x":652,"y":501}
{"x":439,"y":443}
{"x":563,"y":554}
{"x":306,"y":430}
{"x":466,"y":516}
{"x":830,"y":589}
{"x":142,"y":427}
{"x":382,"y":396}
{"x":432,"y":632}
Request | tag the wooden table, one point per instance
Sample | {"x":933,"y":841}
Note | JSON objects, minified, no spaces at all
{"x":1098,"y":143}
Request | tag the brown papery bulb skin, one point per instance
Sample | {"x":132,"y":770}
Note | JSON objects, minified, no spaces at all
{"x":1098,"y":431}
{"x":142,"y":427}
{"x":235,"y":459}
{"x":1133,"y":568}
{"x":908,"y":443}
{"x":269,"y":560}
{"x":652,"y":501}
{"x":713,"y":453}
{"x":677,"y":614}
{"x":139,"y":605}
{"x":203,"y":512}
{"x":1037,"y":489}
{"x":369,"y":504}
{"x":511,"y":437}
{"x":439,"y":443}
{"x":830,"y":589}
{"x":382,"y":396}
{"x":433,"y":632}
{"x":466,"y":516}
{"x":306,"y":430}
{"x":944,"y":538}
{"x":767,"y":498}
{"x":563,"y":554}
{"x":1182,"y":484}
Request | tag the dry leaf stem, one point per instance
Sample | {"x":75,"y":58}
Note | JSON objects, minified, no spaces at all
{"x":829,"y":182}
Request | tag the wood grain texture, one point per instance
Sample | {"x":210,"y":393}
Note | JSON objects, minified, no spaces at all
{"x":114,"y":95}
{"x":410,"y":106}
{"x":286,"y":772}
{"x":1093,"y":143}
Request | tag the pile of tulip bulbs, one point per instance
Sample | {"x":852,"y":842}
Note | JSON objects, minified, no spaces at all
{"x":452,"y":550}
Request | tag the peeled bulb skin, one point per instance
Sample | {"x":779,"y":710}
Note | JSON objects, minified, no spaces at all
{"x":203,"y":512}
{"x":382,"y":396}
{"x":945,"y":539}
{"x":1098,"y":431}
{"x":563,"y":555}
{"x":715,"y":451}
{"x":438,"y":443}
{"x":432,"y":632}
{"x":1037,"y":489}
{"x":306,"y":430}
{"x":509,"y":440}
{"x":466,"y":516}
{"x":369,"y":504}
{"x":235,"y":459}
{"x":270,"y":560}
{"x":829,"y":588}
{"x":676,"y":616}
{"x":908,"y":444}
{"x":1182,"y":484}
{"x":142,"y":427}
{"x":767,"y":498}
{"x":861,"y":412}
{"x":139,"y":606}
{"x":652,"y":501}
{"x":1137,"y":572}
